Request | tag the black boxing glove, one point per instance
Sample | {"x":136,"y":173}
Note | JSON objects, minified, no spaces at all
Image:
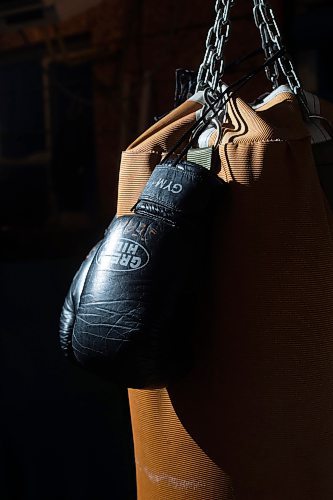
{"x":71,"y":304}
{"x":133,"y":320}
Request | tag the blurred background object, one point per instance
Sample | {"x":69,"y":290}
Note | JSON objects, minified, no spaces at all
{"x":19,"y":14}
{"x":79,"y":80}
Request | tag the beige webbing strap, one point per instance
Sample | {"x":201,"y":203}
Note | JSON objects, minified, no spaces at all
{"x":201,"y":156}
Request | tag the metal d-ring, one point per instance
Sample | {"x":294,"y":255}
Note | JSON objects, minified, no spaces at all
{"x":212,"y":104}
{"x":219,"y":131}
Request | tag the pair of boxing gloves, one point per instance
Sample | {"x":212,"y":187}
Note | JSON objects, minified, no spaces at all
{"x":128,"y":313}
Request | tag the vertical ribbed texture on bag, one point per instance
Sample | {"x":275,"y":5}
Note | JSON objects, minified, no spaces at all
{"x":134,"y":173}
{"x":254,"y":418}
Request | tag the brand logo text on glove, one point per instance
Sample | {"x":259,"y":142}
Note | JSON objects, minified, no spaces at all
{"x":168,"y":185}
{"x":124,"y":255}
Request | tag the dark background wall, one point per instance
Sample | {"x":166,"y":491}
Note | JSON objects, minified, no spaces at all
{"x":73,"y":94}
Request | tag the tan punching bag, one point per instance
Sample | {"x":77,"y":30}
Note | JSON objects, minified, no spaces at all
{"x":253,"y":420}
{"x":258,"y":408}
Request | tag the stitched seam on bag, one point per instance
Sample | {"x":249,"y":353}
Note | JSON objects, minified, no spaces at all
{"x":266,"y":141}
{"x":143,"y":152}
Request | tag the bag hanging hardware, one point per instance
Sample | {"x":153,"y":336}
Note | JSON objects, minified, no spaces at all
{"x":213,"y":106}
{"x":215,"y":102}
{"x":271,"y":42}
{"x":270,"y":38}
{"x":212,"y":68}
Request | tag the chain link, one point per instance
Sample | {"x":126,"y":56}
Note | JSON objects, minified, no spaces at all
{"x":212,"y":67}
{"x":272,"y":42}
{"x":268,"y":45}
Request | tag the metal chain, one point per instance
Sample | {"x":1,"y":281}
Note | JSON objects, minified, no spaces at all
{"x":264,"y":24}
{"x":212,"y":67}
{"x":272,"y":42}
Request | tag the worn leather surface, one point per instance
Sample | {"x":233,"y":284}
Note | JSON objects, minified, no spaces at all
{"x":71,"y":304}
{"x":130,"y":324}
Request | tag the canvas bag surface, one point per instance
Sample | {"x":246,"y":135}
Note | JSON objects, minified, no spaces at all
{"x":254,"y":418}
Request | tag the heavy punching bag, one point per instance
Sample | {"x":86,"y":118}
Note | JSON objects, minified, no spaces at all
{"x":254,"y":418}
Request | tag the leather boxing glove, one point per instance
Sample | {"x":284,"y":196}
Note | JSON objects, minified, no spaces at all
{"x":133,"y":320}
{"x":71,"y":304}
